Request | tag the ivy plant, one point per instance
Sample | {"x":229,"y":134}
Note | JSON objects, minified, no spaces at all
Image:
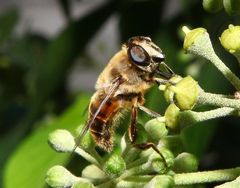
{"x":130,"y":167}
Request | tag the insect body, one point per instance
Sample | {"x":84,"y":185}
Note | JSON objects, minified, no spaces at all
{"x":121,"y":86}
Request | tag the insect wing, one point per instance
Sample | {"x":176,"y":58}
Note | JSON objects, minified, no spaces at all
{"x":112,"y":90}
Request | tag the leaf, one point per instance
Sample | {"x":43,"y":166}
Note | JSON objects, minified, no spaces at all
{"x":29,"y":163}
{"x":7,"y":22}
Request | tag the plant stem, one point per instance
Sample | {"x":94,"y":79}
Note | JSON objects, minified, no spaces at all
{"x":207,"y":176}
{"x":237,"y":55}
{"x":202,"y":46}
{"x":189,"y":117}
{"x":217,"y":100}
{"x":87,"y":156}
{"x":212,"y":114}
{"x":231,"y":77}
{"x":132,"y":184}
{"x":95,"y":155}
{"x":141,"y":169}
{"x":137,"y":162}
{"x":109,"y":183}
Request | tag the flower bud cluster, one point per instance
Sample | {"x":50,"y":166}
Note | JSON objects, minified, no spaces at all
{"x":164,"y":157}
{"x":232,"y":7}
{"x":124,"y":163}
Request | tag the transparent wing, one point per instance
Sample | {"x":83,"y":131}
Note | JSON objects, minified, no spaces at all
{"x":113,"y":88}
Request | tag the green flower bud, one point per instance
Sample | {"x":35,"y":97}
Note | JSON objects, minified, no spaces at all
{"x":171,"y":116}
{"x":186,"y":93}
{"x":61,"y":140}
{"x":162,"y":181}
{"x":115,"y":165}
{"x":58,"y":176}
{"x":212,"y":5}
{"x":168,"y":94}
{"x":192,"y":36}
{"x":93,"y":172}
{"x":157,"y":162}
{"x":156,"y":129}
{"x":185,"y":162}
{"x":173,"y":143}
{"x":232,"y":6}
{"x":230,"y":39}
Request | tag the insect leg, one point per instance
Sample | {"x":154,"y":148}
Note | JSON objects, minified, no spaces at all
{"x":132,"y":131}
{"x":149,"y":111}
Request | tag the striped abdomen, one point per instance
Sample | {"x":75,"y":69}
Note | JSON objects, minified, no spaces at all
{"x":103,"y":125}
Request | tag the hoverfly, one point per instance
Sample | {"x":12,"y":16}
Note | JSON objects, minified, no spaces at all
{"x":121,"y":86}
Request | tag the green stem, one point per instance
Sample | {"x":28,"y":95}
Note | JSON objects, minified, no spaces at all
{"x":133,"y":181}
{"x":190,"y":117}
{"x":110,"y":183}
{"x":141,"y":169}
{"x":95,"y":155}
{"x":231,"y":77}
{"x":87,"y":156}
{"x":217,"y":100}
{"x":132,"y":184}
{"x":137,"y":162}
{"x":202,"y":46}
{"x":237,"y":55}
{"x":207,"y":176}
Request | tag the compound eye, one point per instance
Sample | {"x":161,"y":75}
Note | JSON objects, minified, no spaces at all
{"x":138,"y":55}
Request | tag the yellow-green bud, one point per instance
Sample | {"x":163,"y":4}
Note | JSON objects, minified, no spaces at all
{"x":212,"y":5}
{"x":186,"y":93}
{"x":192,"y":36}
{"x":185,"y":162}
{"x":232,"y":6}
{"x":61,"y":140}
{"x":156,"y":129}
{"x":168,"y":94}
{"x":115,"y":165}
{"x":230,"y":39}
{"x":93,"y":172}
{"x":58,"y":176}
{"x":171,"y":116}
{"x":162,"y":181}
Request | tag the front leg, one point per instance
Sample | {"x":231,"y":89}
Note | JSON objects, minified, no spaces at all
{"x":132,"y":131}
{"x":149,"y":111}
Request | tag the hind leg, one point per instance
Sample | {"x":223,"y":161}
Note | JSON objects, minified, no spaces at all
{"x":132,"y":131}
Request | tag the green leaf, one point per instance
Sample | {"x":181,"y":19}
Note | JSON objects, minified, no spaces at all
{"x":29,"y":163}
{"x":7,"y":22}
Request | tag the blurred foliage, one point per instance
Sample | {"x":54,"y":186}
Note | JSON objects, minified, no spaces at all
{"x":34,"y":68}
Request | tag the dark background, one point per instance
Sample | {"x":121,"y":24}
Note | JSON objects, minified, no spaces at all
{"x":51,"y":53}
